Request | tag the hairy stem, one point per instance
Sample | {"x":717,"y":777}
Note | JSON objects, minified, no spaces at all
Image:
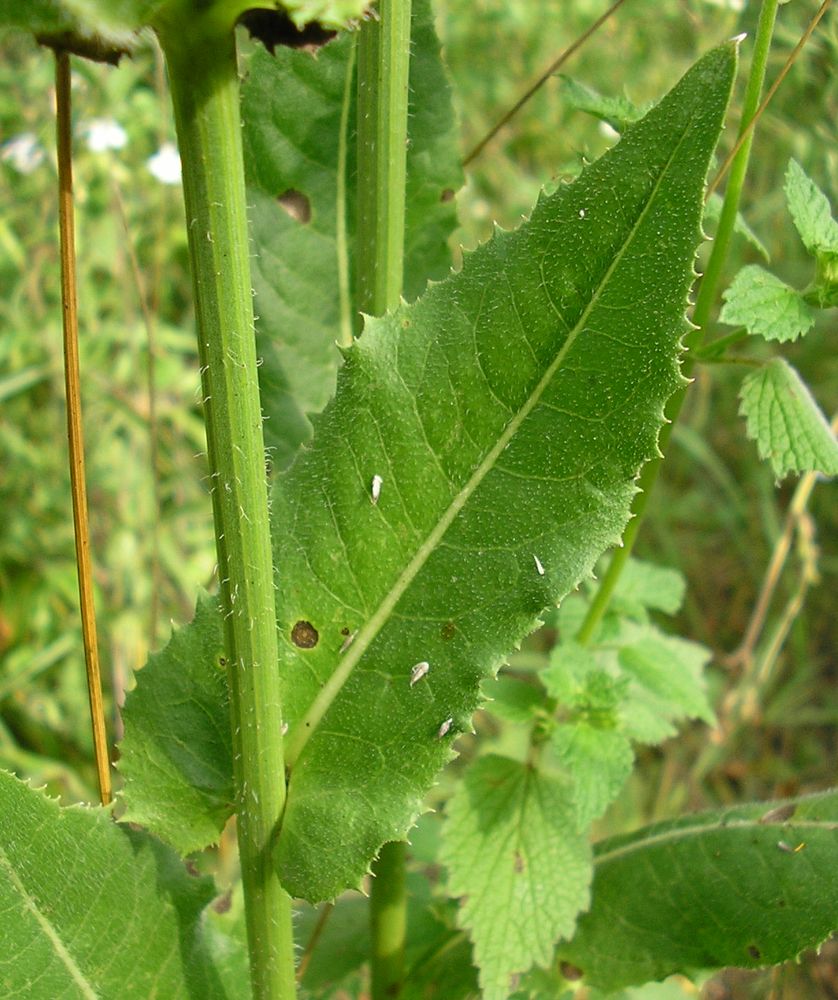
{"x":205,"y":90}
{"x":383,"y":70}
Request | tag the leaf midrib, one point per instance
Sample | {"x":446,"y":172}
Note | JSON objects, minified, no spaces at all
{"x":307,"y":726}
{"x":61,"y":951}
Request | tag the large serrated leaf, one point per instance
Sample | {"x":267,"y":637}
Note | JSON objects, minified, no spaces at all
{"x":507,"y":414}
{"x":299,"y":139}
{"x":91,"y":911}
{"x":744,"y":886}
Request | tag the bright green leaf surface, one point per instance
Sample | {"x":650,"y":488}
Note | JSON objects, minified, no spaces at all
{"x":292,"y":105}
{"x":786,"y":422}
{"x":93,"y":912}
{"x":514,"y":854}
{"x":598,"y":760}
{"x":666,"y":682}
{"x":644,"y":585}
{"x":507,"y":414}
{"x":810,"y":211}
{"x":737,"y":887}
{"x":176,"y":755}
{"x":767,"y":306}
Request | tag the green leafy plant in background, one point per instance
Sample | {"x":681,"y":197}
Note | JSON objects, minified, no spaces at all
{"x":782,"y":417}
{"x":480,"y":452}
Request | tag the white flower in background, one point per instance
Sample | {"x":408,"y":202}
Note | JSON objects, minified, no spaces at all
{"x":24,"y":153}
{"x":103,"y":134}
{"x":165,"y":164}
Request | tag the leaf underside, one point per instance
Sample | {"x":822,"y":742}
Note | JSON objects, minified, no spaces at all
{"x":507,"y":413}
{"x":740,"y":887}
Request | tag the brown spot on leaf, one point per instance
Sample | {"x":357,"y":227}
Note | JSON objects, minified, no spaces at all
{"x":570,"y":972}
{"x":304,"y":635}
{"x":344,"y":631}
{"x":754,"y":952}
{"x":448,"y":631}
{"x":295,"y":204}
{"x":519,"y":863}
{"x":447,"y":195}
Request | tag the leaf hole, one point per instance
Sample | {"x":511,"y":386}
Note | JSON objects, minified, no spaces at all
{"x":304,"y":635}
{"x":295,"y":204}
{"x":273,"y":28}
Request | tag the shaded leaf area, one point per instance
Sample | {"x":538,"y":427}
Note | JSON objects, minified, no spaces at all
{"x":736,"y":887}
{"x":507,"y":414}
{"x":176,"y":755}
{"x":300,"y":162}
{"x":787,"y":424}
{"x":91,"y":910}
{"x":515,"y":856}
{"x":766,"y":306}
{"x":336,"y":944}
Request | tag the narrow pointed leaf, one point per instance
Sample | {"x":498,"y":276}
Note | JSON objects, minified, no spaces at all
{"x":785,"y":421}
{"x":503,"y":418}
{"x":299,"y":137}
{"x":514,"y":853}
{"x":92,"y":911}
{"x":742,"y":887}
{"x":766,"y":306}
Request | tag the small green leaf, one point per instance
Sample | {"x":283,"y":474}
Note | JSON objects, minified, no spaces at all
{"x":645,"y":585}
{"x":513,"y":851}
{"x":738,"y":887}
{"x":503,"y":419}
{"x":176,"y":756}
{"x":90,"y":910}
{"x":810,"y":211}
{"x":667,"y":682}
{"x":767,"y":306}
{"x":785,"y":421}
{"x":598,"y":760}
{"x":618,"y":112}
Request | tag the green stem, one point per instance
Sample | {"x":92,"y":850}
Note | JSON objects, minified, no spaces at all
{"x":204,"y":81}
{"x":388,"y":920}
{"x":383,"y":68}
{"x":383,"y":65}
{"x":701,"y":315}
{"x":736,"y":179}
